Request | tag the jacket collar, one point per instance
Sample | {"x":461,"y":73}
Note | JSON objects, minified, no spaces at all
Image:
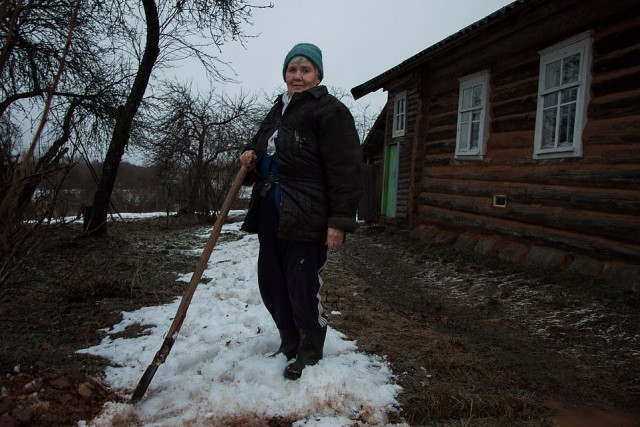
{"x":316,"y":92}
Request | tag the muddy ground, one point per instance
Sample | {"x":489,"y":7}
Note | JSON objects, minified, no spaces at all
{"x":472,"y":341}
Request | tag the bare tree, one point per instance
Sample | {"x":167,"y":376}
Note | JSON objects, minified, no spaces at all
{"x":77,"y":94}
{"x":34,"y":43}
{"x":172,"y":30}
{"x":15,"y":236}
{"x":96,"y":221}
{"x":37,"y":43}
{"x":363,"y":115}
{"x":197,"y":139}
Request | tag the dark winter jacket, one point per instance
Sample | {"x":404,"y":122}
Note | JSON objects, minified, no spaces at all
{"x":319,"y":165}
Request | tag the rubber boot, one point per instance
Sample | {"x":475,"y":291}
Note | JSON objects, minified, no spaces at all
{"x":309,"y":353}
{"x":289,"y":343}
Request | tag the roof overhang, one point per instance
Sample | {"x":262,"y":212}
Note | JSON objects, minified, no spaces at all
{"x":379,"y":81}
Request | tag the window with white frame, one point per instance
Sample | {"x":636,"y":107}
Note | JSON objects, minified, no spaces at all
{"x":473,"y":117}
{"x":563,"y":98}
{"x":399,"y":114}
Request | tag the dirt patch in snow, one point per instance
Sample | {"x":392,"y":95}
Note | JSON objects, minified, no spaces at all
{"x":472,"y":341}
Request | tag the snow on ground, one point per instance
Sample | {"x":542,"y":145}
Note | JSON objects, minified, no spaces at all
{"x":219,"y":367}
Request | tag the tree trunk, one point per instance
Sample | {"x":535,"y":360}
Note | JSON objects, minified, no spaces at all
{"x":96,"y":222}
{"x":46,"y":164}
{"x":9,"y":42}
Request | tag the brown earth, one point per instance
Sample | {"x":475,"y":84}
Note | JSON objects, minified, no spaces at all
{"x":473,"y":342}
{"x":477,"y":342}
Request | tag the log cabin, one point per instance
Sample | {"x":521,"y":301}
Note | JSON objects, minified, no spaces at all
{"x":518,"y":137}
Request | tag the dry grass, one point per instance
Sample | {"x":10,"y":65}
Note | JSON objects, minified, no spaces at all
{"x":475,"y":342}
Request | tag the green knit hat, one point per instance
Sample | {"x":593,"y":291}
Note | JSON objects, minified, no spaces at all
{"x":309,"y":51}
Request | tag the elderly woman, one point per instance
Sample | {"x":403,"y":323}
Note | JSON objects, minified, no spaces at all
{"x":306,"y":159}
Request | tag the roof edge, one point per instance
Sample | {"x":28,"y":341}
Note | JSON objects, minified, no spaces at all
{"x":377,"y":82}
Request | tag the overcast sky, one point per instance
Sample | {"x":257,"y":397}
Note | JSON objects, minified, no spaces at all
{"x":359,"y":39}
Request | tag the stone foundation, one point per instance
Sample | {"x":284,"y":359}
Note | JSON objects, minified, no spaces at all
{"x":622,"y":275}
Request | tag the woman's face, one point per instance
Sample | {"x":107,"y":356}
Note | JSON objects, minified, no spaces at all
{"x":301,"y":75}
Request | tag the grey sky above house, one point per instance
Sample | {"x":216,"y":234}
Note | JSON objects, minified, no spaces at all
{"x":359,"y":39}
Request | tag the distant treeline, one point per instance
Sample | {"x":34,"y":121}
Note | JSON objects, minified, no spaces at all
{"x":137,"y":189}
{"x":130,"y":176}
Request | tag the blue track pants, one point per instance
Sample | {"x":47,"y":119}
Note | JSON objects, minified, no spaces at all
{"x":289,"y":273}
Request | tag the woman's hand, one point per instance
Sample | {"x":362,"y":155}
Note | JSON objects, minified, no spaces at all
{"x":335,"y":237}
{"x":248,"y":159}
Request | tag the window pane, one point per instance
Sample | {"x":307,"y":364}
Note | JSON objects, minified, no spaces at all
{"x":464,"y":136}
{"x":466,"y":98}
{"x":552,"y":75}
{"x":567,"y":124}
{"x":549,"y":128}
{"x":477,"y":96}
{"x":465,"y":118}
{"x":475,"y":136}
{"x":550,"y":100}
{"x":569,"y":95}
{"x":571,"y":69}
{"x":399,"y":115}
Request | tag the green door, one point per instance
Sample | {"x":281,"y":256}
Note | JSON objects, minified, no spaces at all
{"x":390,"y":183}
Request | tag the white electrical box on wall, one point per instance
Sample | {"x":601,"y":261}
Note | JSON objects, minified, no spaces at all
{"x":500,"y":201}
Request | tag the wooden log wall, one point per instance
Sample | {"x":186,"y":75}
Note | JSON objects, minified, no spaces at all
{"x":589,"y":205}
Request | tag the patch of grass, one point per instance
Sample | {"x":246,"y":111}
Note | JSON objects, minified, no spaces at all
{"x":475,"y":341}
{"x":71,"y":278}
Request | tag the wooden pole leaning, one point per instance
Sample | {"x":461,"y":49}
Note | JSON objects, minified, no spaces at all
{"x":181,"y":314}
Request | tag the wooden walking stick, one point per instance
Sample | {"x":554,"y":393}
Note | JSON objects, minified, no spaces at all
{"x":162,"y":354}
